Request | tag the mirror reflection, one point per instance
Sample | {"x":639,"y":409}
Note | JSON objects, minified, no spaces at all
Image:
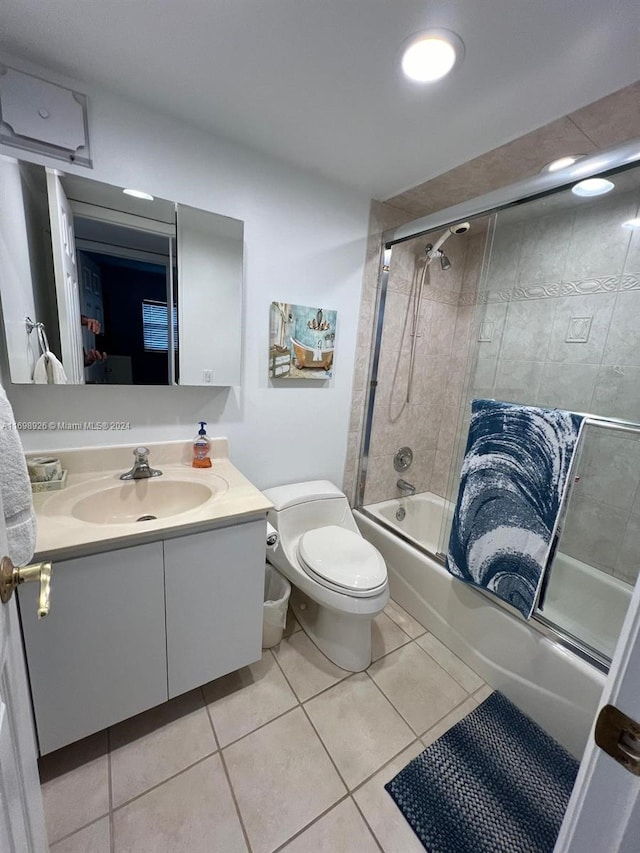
{"x":103,"y":287}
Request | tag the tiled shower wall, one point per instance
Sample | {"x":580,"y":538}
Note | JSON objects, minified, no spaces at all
{"x":558,"y":325}
{"x":609,"y":121}
{"x":427,"y":422}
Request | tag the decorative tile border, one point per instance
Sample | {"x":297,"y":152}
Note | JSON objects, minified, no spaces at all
{"x":606,"y":284}
{"x":552,"y":290}
{"x":631,"y":281}
{"x":535,"y":291}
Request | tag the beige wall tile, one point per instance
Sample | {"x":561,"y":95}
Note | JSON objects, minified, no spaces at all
{"x":613,"y":119}
{"x":598,"y":244}
{"x":617,"y":392}
{"x":628,"y":563}
{"x":598,"y":309}
{"x":504,"y":165}
{"x":594,"y":532}
{"x":623,"y":339}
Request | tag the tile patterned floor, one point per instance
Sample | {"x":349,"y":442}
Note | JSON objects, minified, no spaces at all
{"x":289,"y":754}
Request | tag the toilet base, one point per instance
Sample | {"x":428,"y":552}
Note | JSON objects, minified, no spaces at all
{"x":344,"y":638}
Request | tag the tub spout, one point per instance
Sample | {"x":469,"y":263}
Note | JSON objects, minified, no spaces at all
{"x":405,"y":487}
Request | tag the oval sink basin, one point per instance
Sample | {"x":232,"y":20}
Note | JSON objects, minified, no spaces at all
{"x":141,"y":500}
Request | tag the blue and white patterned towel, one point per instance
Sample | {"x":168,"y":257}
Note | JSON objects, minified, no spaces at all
{"x":512,"y":486}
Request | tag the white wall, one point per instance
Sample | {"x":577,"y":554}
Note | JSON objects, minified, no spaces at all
{"x":304,"y":243}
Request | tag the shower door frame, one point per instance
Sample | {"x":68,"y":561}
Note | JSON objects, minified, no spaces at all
{"x":603,"y":163}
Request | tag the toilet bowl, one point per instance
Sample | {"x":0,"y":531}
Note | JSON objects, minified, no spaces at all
{"x":340,"y":578}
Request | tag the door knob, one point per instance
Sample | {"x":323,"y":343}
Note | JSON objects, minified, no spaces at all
{"x":10,"y":577}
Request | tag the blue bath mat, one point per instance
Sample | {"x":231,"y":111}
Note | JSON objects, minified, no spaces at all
{"x":494,"y":783}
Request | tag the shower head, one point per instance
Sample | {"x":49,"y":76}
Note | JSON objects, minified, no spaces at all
{"x":435,"y":252}
{"x":460,"y":228}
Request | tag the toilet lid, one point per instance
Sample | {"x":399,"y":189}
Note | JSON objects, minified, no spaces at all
{"x":341,"y":557}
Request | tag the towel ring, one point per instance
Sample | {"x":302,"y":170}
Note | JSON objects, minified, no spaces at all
{"x":40,"y":330}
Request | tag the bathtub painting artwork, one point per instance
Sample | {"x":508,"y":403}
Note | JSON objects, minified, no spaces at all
{"x":301,"y":341}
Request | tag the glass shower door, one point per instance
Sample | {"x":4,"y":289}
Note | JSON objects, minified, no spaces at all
{"x":595,"y":568}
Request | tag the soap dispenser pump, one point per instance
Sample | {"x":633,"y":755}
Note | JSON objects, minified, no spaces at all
{"x":201,"y":445}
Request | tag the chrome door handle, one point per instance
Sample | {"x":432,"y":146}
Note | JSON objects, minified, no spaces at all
{"x":10,"y":577}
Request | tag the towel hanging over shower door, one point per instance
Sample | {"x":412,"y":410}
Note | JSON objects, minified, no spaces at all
{"x":513,"y":485}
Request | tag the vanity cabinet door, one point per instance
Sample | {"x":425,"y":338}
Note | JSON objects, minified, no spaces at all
{"x":99,"y":657}
{"x":214,"y":591}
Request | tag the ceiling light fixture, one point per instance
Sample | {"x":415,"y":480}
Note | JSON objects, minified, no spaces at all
{"x":562,"y":163}
{"x":138,"y":194}
{"x":632,"y":224}
{"x":592,"y":187}
{"x":432,"y":55}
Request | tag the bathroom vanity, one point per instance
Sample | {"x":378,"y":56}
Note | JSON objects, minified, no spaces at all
{"x":141,"y":611}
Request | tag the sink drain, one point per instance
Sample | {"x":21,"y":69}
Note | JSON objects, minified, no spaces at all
{"x":147,"y":518}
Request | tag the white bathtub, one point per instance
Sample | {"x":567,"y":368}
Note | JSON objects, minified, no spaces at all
{"x":587,"y":603}
{"x":548,"y":682}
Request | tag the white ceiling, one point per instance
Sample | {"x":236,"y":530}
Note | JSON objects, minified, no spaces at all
{"x":315,"y":82}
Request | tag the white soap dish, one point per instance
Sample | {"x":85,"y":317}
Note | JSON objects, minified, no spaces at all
{"x":50,"y":485}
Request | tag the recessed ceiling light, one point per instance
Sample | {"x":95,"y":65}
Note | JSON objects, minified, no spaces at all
{"x":138,"y":194}
{"x":632,"y":224}
{"x":432,"y":55}
{"x":592,"y":186}
{"x":561,"y":163}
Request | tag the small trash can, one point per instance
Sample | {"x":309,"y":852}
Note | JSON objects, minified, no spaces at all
{"x":277,"y":590}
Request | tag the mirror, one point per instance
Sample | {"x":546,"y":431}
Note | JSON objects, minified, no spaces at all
{"x":104,"y":288}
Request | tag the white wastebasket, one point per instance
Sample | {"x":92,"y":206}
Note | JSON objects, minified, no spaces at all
{"x":277,"y":590}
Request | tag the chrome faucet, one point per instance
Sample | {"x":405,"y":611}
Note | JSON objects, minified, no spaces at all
{"x":141,"y":469}
{"x":405,"y":487}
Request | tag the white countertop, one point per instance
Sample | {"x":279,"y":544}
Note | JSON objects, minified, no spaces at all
{"x":90,"y":471}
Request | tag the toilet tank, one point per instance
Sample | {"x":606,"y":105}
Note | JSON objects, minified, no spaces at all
{"x":299,"y":507}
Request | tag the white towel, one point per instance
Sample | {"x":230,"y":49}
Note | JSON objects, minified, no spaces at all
{"x":49,"y":370}
{"x":15,"y":489}
{"x":317,"y":353}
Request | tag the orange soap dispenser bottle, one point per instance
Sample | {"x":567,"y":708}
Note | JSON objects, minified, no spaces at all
{"x":201,"y":445}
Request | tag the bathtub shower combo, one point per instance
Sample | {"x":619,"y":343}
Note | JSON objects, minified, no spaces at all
{"x":537,"y":302}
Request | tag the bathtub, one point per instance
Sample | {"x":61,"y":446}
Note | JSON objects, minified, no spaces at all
{"x":547,"y":681}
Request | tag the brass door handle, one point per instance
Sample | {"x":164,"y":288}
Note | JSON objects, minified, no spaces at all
{"x":10,"y":577}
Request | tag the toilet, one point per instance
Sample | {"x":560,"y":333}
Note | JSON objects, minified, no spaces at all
{"x":340,"y":579}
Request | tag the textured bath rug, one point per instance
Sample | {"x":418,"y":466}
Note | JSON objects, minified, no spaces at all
{"x":512,"y":487}
{"x":494,"y":783}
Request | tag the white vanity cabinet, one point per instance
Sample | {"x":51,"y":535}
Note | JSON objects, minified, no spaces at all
{"x":214,"y":586}
{"x":129,"y":629}
{"x":99,"y":657}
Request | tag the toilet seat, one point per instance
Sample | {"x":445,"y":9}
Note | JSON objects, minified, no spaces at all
{"x":342,"y":560}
